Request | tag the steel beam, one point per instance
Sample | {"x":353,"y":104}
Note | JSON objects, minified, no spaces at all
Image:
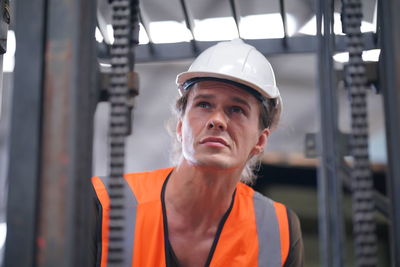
{"x":295,"y":44}
{"x":283,"y":18}
{"x":330,"y":217}
{"x":390,"y":82}
{"x":143,"y":19}
{"x":235,"y":14}
{"x":65,"y":218}
{"x":188,"y":22}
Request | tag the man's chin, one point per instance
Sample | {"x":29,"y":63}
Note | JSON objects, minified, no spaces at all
{"x":214,"y":162}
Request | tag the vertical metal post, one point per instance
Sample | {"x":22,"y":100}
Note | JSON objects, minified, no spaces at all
{"x":4,"y":23}
{"x":65,"y":205}
{"x":188,"y":22}
{"x":144,"y":21}
{"x":391,"y":91}
{"x":235,"y":14}
{"x":329,"y":178}
{"x":284,"y":24}
{"x":4,"y":118}
{"x":25,"y":132}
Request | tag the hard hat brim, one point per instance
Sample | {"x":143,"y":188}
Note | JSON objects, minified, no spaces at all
{"x":185,"y":76}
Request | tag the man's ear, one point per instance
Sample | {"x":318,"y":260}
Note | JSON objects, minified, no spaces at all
{"x":261,"y":142}
{"x":179,"y":130}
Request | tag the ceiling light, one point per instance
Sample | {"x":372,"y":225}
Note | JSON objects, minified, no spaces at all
{"x":8,"y":58}
{"x":143,"y":38}
{"x":368,"y":55}
{"x":341,"y":57}
{"x":265,"y":26}
{"x":215,"y":29}
{"x":367,"y":27}
{"x":371,"y":55}
{"x":169,"y":32}
{"x":105,"y":65}
{"x":3,"y":234}
{"x":110,"y":33}
{"x":310,"y":28}
{"x":98,"y":35}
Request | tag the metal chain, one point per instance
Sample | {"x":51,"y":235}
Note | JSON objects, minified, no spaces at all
{"x":365,"y":241}
{"x":118,"y":93}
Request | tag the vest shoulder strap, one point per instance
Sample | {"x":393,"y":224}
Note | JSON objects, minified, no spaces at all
{"x":130,"y":204}
{"x":273,"y":231}
{"x":147,"y":185}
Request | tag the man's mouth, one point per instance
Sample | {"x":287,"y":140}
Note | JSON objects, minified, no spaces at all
{"x":214,"y":141}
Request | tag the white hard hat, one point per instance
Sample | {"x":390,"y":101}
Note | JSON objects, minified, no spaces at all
{"x":237,"y":62}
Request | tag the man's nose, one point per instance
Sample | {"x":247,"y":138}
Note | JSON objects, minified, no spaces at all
{"x":217,"y":121}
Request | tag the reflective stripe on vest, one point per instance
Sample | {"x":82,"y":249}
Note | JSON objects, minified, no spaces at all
{"x":271,"y":248}
{"x":130,"y":204}
{"x":271,"y":227}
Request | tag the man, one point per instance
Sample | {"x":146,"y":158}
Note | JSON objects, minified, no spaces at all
{"x":199,"y":213}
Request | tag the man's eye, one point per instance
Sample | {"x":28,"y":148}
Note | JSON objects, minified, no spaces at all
{"x":203,"y":104}
{"x":236,"y":109}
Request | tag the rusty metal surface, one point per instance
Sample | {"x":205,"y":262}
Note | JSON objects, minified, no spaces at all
{"x":64,"y":234}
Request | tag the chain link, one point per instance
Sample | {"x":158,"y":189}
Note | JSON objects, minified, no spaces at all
{"x":118,"y":127}
{"x":365,"y":241}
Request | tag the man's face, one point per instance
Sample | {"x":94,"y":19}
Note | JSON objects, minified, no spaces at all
{"x":220,"y":127}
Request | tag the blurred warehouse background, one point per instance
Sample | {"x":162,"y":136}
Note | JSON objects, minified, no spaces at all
{"x":171,"y":34}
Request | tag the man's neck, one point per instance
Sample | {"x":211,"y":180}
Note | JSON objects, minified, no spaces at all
{"x":197,"y":197}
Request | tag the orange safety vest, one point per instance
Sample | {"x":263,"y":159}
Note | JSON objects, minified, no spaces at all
{"x":256,"y":232}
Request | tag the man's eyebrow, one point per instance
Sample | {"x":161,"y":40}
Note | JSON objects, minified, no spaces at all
{"x":241,"y":101}
{"x":234,"y":99}
{"x":206,"y":96}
